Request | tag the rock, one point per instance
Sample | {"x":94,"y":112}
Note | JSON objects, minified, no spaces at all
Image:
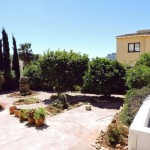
{"x":88,"y":107}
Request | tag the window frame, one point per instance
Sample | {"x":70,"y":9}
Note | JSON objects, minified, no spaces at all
{"x":134,"y":51}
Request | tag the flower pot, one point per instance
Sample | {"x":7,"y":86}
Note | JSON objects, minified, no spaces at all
{"x":31,"y":120}
{"x":11,"y":109}
{"x":17,"y":113}
{"x":40,"y":121}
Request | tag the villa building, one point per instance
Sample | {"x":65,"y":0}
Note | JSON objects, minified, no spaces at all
{"x":131,"y":46}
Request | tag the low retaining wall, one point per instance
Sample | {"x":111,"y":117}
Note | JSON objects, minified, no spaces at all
{"x":139,"y":132}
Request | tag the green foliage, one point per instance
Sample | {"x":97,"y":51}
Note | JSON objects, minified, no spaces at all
{"x":138,"y":77}
{"x":33,"y":71}
{"x":60,"y":101}
{"x":144,"y":60}
{"x":23,"y":115}
{"x":1,"y":57}
{"x":25,"y":53}
{"x":134,"y":99}
{"x":31,"y":113}
{"x":39,"y":113}
{"x":15,"y":63}
{"x":104,"y":77}
{"x":63,"y":70}
{"x":7,"y":68}
{"x":115,"y":133}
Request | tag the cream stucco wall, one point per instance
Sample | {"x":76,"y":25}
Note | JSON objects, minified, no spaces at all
{"x":126,"y":57}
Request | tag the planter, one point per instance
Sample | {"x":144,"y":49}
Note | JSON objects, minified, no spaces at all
{"x":88,"y":107}
{"x":17,"y":113}
{"x":31,"y":120}
{"x":22,"y":119}
{"x":11,"y":109}
{"x":40,"y":121}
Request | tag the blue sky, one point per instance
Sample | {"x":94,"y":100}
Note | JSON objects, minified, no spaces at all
{"x":86,"y":26}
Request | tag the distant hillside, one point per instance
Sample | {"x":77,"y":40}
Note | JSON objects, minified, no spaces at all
{"x":111,"y":56}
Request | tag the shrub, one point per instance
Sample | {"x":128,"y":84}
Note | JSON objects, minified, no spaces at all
{"x":104,"y":77}
{"x":144,"y":60}
{"x":134,"y":99}
{"x":116,"y":133}
{"x":63,"y":70}
{"x":60,"y":101}
{"x":138,"y":77}
{"x":33,"y":71}
{"x":39,"y":113}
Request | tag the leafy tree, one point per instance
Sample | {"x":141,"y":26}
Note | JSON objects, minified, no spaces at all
{"x":62,"y":69}
{"x":144,"y":60}
{"x":7,"y":68}
{"x":25,"y":53}
{"x":33,"y":71}
{"x":15,"y":62}
{"x":104,"y":77}
{"x":138,"y":77}
{"x":1,"y":57}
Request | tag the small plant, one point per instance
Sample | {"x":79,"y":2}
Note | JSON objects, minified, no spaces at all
{"x":31,"y":113}
{"x":63,"y":100}
{"x":116,"y":133}
{"x":40,"y":113}
{"x":39,"y":116}
{"x":23,"y":115}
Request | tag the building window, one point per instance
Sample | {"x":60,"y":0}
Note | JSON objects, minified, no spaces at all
{"x":134,"y":47}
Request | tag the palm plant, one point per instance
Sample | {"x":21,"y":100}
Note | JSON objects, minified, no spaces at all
{"x":25,"y":53}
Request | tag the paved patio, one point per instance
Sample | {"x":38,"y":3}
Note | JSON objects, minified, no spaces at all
{"x":75,"y":129}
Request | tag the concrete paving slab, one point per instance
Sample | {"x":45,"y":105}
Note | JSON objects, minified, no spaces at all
{"x":75,"y":129}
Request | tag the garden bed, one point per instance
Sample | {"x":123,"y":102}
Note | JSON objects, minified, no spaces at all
{"x":27,"y":101}
{"x":17,"y":94}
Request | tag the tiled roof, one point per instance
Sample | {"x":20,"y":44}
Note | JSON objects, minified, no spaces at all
{"x":142,"y":32}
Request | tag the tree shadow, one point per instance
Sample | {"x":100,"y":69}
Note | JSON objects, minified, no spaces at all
{"x":109,"y":102}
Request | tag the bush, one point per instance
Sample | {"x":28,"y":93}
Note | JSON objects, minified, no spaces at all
{"x":134,"y":99}
{"x":144,"y":60}
{"x":63,"y":70}
{"x":33,"y":71}
{"x":104,"y":77}
{"x":116,"y":133}
{"x":138,"y":77}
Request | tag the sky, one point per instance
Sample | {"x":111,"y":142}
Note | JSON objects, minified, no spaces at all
{"x":86,"y":26}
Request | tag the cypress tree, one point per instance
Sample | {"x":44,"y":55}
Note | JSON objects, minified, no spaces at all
{"x":7,"y":68}
{"x":15,"y":62}
{"x":1,"y":57}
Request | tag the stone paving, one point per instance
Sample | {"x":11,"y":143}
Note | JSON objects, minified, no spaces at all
{"x":75,"y":129}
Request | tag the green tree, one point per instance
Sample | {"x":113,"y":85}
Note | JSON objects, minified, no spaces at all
{"x":25,"y":53}
{"x":62,"y":69}
{"x":15,"y":62}
{"x":104,"y":77}
{"x":7,"y":67}
{"x":144,"y":60}
{"x":1,"y":57}
{"x":138,"y":77}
